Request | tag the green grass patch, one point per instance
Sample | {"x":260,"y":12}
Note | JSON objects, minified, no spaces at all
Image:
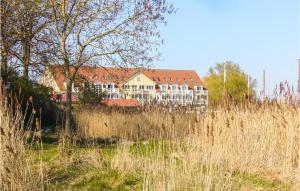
{"x":155,"y":148}
{"x":95,"y":179}
{"x":259,"y":181}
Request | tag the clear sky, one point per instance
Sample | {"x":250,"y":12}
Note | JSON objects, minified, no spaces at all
{"x":256,"y":34}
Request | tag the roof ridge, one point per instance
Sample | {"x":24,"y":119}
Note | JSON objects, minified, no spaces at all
{"x":130,"y":68}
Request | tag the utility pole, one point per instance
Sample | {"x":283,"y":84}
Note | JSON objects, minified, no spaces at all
{"x":225,"y":78}
{"x":264,"y":86}
{"x":299,"y":80}
{"x":248,"y":86}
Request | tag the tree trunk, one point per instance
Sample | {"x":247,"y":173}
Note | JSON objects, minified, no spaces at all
{"x":3,"y":76}
{"x":68,"y":122}
{"x":5,"y":45}
{"x":25,"y":57}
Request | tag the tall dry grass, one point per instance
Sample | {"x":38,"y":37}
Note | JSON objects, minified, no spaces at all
{"x":205,"y":150}
{"x":16,"y":170}
{"x":133,"y":126}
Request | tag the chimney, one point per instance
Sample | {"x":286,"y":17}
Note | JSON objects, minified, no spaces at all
{"x":299,"y":79}
{"x":264,"y":85}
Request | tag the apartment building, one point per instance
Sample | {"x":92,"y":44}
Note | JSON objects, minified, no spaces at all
{"x":165,"y":86}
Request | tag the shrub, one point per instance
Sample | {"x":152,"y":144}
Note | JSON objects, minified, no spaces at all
{"x":88,"y":94}
{"x":34,"y":98}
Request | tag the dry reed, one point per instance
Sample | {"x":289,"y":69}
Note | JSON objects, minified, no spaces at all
{"x":209,"y":148}
{"x":16,"y":171}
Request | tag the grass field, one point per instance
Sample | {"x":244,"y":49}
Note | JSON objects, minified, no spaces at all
{"x":239,"y":148}
{"x":113,"y":168}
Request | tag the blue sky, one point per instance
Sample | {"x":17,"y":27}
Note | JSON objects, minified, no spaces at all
{"x":256,"y":34}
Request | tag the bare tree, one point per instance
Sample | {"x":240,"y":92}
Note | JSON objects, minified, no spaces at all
{"x":105,"y":32}
{"x":7,"y":41}
{"x":31,"y":18}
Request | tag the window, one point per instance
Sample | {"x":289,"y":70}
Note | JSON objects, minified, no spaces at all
{"x":138,"y":78}
{"x":149,"y":87}
{"x":104,"y":86}
{"x":174,"y":87}
{"x":126,"y":87}
{"x":199,"y":88}
{"x":134,"y":87}
{"x":142,"y":87}
{"x":110,"y":86}
{"x":164,"y":87}
{"x":98,"y":87}
{"x":184,"y":87}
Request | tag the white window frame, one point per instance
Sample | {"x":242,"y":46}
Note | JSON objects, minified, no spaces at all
{"x":150,"y":87}
{"x":126,"y":86}
{"x":174,"y":87}
{"x":199,"y":88}
{"x":164,"y":87}
{"x":184,"y":87}
{"x":134,"y":87}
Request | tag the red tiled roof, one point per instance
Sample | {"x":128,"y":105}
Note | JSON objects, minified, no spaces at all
{"x":102,"y":75}
{"x":121,"y":102}
{"x":179,"y":77}
{"x":118,"y":75}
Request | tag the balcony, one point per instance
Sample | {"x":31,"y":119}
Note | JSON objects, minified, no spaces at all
{"x":138,"y":91}
{"x":202,"y":92}
{"x":110,"y":90}
{"x":179,"y":92}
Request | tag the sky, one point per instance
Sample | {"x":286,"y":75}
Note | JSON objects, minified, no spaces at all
{"x":256,"y":34}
